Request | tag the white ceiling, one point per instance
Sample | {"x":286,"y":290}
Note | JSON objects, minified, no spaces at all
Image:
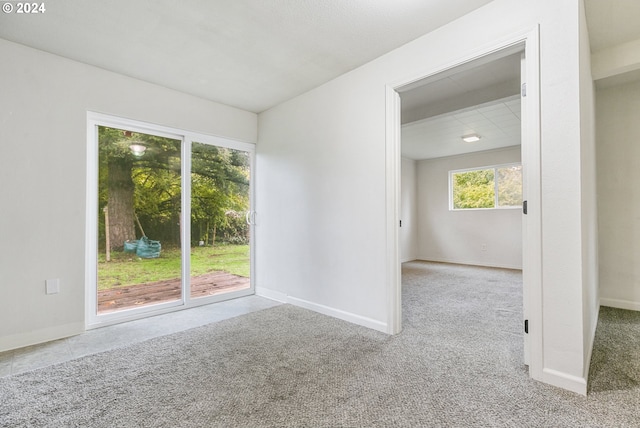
{"x":481,"y":97}
{"x":474,"y":84}
{"x":252,"y":54}
{"x":497,"y":123}
{"x":612,"y":22}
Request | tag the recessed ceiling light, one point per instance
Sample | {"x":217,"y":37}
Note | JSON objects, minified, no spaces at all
{"x":471,"y":138}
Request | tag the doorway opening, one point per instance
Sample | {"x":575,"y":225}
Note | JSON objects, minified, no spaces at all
{"x":496,"y":93}
{"x":169,"y":220}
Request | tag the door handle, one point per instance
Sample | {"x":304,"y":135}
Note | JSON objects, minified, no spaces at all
{"x":250,"y":217}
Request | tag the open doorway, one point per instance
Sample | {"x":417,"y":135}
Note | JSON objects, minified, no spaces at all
{"x":503,"y":77}
{"x":461,"y":204}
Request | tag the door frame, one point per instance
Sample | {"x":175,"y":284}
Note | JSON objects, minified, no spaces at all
{"x":94,"y":119}
{"x":528,"y":43}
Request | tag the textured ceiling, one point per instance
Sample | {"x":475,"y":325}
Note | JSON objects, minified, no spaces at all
{"x":252,"y":54}
{"x":497,"y":123}
{"x":482,"y":97}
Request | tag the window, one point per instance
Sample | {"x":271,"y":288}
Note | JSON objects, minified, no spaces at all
{"x":169,"y":219}
{"x":488,"y":187}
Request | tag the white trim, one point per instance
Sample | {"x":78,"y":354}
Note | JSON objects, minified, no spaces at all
{"x":592,"y":337}
{"x":497,"y":49}
{"x":620,"y":304}
{"x":619,"y":59}
{"x":340,"y":314}
{"x":92,"y":319}
{"x":566,"y":381}
{"x":131,"y":314}
{"x":532,"y":192}
{"x":271,"y":294}
{"x":35,"y":337}
{"x":281,"y":297}
{"x":392,"y":194}
{"x":480,"y":168}
{"x":185,"y":221}
{"x":496,"y":190}
{"x":467,"y":262}
{"x":527,"y":42}
{"x":91,"y":238}
{"x":177,"y":306}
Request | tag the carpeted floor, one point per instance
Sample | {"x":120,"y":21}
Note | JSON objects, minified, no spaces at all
{"x":458,"y":362}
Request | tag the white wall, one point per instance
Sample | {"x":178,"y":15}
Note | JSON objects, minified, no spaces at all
{"x":321,"y":193}
{"x":459,"y":236}
{"x":618,"y":151}
{"x":408,"y":211}
{"x":43,"y":110}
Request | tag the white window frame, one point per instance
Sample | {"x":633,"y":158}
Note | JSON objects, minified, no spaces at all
{"x":495,"y":186}
{"x":94,"y":120}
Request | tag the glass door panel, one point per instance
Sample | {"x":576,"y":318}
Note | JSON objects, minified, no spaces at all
{"x":220,"y":216}
{"x":139,"y":215}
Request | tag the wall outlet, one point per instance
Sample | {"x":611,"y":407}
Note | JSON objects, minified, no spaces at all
{"x":483,"y":247}
{"x":52,"y":286}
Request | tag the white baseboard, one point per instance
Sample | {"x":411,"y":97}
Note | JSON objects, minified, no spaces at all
{"x":337,"y":313}
{"x":271,"y":294}
{"x":565,"y":381}
{"x":322,"y":309}
{"x":594,"y":325}
{"x":281,"y":297}
{"x":21,"y":340}
{"x":620,"y":304}
{"x":470,"y":262}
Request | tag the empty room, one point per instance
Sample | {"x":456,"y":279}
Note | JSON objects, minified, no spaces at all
{"x":213,"y":213}
{"x":461,"y":202}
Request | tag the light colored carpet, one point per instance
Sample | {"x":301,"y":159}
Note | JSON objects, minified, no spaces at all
{"x":458,"y":362}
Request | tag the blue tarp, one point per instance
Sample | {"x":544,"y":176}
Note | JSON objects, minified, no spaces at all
{"x":144,"y":248}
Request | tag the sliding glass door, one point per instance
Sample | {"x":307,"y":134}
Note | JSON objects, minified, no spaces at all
{"x":220,"y":220}
{"x":139,"y":214}
{"x":170,"y":219}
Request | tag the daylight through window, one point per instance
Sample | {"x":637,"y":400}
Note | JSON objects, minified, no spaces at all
{"x":488,"y":187}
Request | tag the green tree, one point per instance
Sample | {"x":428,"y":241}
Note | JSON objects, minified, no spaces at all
{"x":116,"y":185}
{"x":473,"y":189}
{"x":510,"y":186}
{"x":149,"y":185}
{"x":220,"y":192}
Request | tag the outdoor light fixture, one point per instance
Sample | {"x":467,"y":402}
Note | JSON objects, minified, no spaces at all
{"x":471,"y":138}
{"x":137,"y":149}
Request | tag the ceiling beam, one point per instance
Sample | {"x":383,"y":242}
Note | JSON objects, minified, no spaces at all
{"x":616,"y":60}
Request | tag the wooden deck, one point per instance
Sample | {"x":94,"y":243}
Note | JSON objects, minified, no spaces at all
{"x":152,"y":293}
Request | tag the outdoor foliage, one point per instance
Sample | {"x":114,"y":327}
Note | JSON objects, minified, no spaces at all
{"x":476,"y":188}
{"x":473,"y":189}
{"x":510,"y":186}
{"x":149,"y":186}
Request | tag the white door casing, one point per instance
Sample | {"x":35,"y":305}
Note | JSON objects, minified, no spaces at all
{"x":528,"y":44}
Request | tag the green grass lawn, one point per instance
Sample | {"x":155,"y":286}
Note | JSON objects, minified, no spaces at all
{"x":128,"y":269}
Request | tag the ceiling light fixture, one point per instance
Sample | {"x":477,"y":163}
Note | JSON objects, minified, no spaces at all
{"x":471,"y":138}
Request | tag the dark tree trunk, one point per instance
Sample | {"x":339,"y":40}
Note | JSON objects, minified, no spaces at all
{"x":120,"y":203}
